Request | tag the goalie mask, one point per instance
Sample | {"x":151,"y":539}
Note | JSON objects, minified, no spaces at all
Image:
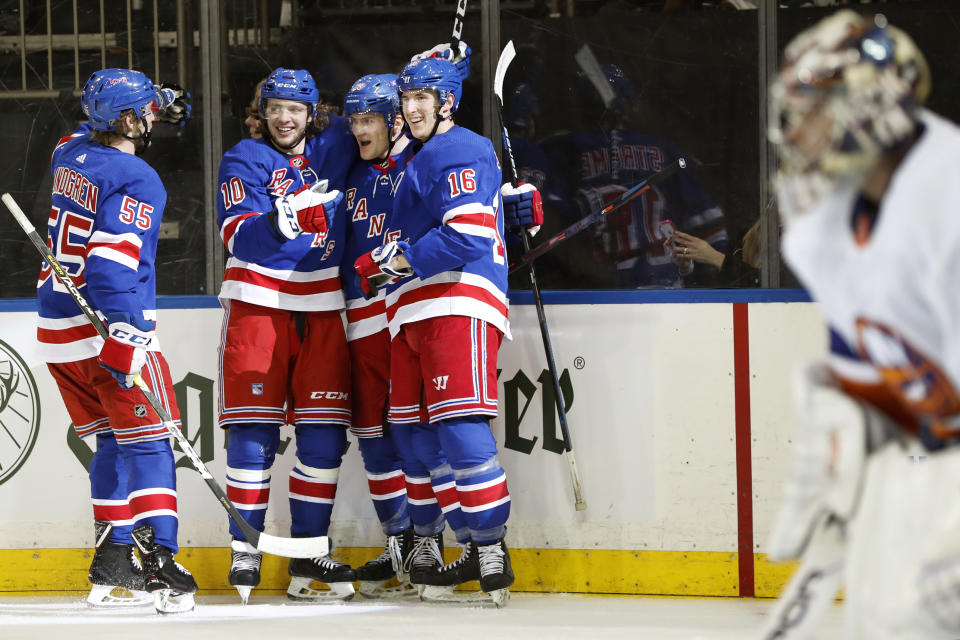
{"x":849,"y":89}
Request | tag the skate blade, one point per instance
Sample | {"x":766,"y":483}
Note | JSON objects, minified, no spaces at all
{"x":386,"y":589}
{"x":244,"y":593}
{"x":105,"y":596}
{"x":300,"y":589}
{"x":497,"y":598}
{"x":172,"y":601}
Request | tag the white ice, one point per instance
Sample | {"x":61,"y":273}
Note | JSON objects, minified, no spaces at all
{"x":270,"y":617}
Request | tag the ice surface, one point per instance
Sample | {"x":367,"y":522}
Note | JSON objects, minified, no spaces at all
{"x":273,"y":616}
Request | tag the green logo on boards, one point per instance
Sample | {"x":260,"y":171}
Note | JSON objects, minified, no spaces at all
{"x":518,"y":394}
{"x":19,"y":412}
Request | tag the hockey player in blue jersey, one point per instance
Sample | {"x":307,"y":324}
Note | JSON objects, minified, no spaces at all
{"x":401,"y":486}
{"x":284,"y":357}
{"x":104,"y":223}
{"x":447,"y":311}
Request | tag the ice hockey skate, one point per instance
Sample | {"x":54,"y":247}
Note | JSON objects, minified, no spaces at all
{"x":338,"y":576}
{"x":170,"y":583}
{"x":384,"y":577}
{"x":426,"y":558}
{"x":116,"y":577}
{"x":490,"y":564}
{"x":244,"y":568}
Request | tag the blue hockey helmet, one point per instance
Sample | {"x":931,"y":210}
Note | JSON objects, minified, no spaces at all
{"x":110,"y":92}
{"x":374,"y":92}
{"x":289,"y":84}
{"x":433,"y":73}
{"x":522,"y":106}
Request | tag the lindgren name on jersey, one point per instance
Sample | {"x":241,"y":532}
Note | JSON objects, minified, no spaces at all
{"x":75,"y":186}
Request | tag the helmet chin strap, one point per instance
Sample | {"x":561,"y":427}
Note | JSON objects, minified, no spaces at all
{"x":393,"y":142}
{"x":436,"y":123}
{"x":141,"y":142}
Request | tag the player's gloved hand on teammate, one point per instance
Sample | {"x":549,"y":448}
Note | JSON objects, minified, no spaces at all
{"x":307,"y":210}
{"x":172,"y":106}
{"x":124,"y":352}
{"x":460,"y":58}
{"x":379,"y":267}
{"x":522,"y":208}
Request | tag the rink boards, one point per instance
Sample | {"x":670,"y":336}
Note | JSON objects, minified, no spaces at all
{"x":679,"y":407}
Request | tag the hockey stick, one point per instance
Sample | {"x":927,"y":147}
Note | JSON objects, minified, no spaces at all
{"x":591,"y":68}
{"x":458,"y":19}
{"x":812,"y":587}
{"x":506,"y":57}
{"x":287,"y":547}
{"x":590,"y":219}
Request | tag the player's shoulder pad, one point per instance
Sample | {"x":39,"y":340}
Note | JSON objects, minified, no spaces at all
{"x":248,"y":153}
{"x":457,"y":147}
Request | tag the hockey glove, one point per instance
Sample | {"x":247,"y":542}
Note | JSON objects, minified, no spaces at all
{"x":522,"y":208}
{"x":305,"y":211}
{"x":125,"y":351}
{"x":460,"y":58}
{"x":374,"y":268}
{"x":172,"y":106}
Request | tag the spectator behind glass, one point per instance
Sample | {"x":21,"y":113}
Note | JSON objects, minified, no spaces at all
{"x":592,"y":167}
{"x":738,"y":267}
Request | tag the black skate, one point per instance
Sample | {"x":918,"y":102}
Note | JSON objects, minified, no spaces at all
{"x":425,"y":559}
{"x":439,"y":584}
{"x":170,"y":583}
{"x":383,"y":577}
{"x":115,"y":573}
{"x":339,"y":576}
{"x":490,"y":564}
{"x":496,"y":574}
{"x":244,"y":568}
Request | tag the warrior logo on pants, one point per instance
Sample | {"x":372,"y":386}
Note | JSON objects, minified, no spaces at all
{"x":19,"y":412}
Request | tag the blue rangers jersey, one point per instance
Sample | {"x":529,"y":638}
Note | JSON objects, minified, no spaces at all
{"x":371,"y":188}
{"x":596,"y":168}
{"x":103,"y":228}
{"x":448,"y":209}
{"x":263,"y":269}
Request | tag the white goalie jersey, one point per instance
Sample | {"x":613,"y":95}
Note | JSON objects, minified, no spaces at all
{"x":887,"y":284}
{"x":887,"y":280}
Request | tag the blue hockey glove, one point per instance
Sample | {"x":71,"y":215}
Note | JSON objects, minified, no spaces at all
{"x":172,"y":106}
{"x":522,"y":208}
{"x":460,"y":59}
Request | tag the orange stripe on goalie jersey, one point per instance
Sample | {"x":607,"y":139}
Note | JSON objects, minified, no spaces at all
{"x":914,"y":390}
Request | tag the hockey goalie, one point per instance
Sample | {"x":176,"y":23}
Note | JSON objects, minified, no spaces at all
{"x":870,"y":199}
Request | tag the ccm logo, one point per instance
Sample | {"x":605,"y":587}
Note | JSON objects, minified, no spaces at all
{"x":329,"y":395}
{"x":135,"y":339}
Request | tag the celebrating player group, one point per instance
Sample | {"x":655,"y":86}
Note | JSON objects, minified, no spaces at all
{"x":390,"y":216}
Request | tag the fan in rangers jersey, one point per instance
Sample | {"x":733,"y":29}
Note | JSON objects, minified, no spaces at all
{"x":104,"y":224}
{"x":447,"y":312}
{"x":869,"y":198}
{"x":283,"y":354}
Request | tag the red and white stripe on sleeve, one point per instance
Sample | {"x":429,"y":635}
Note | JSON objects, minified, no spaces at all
{"x":122,"y":248}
